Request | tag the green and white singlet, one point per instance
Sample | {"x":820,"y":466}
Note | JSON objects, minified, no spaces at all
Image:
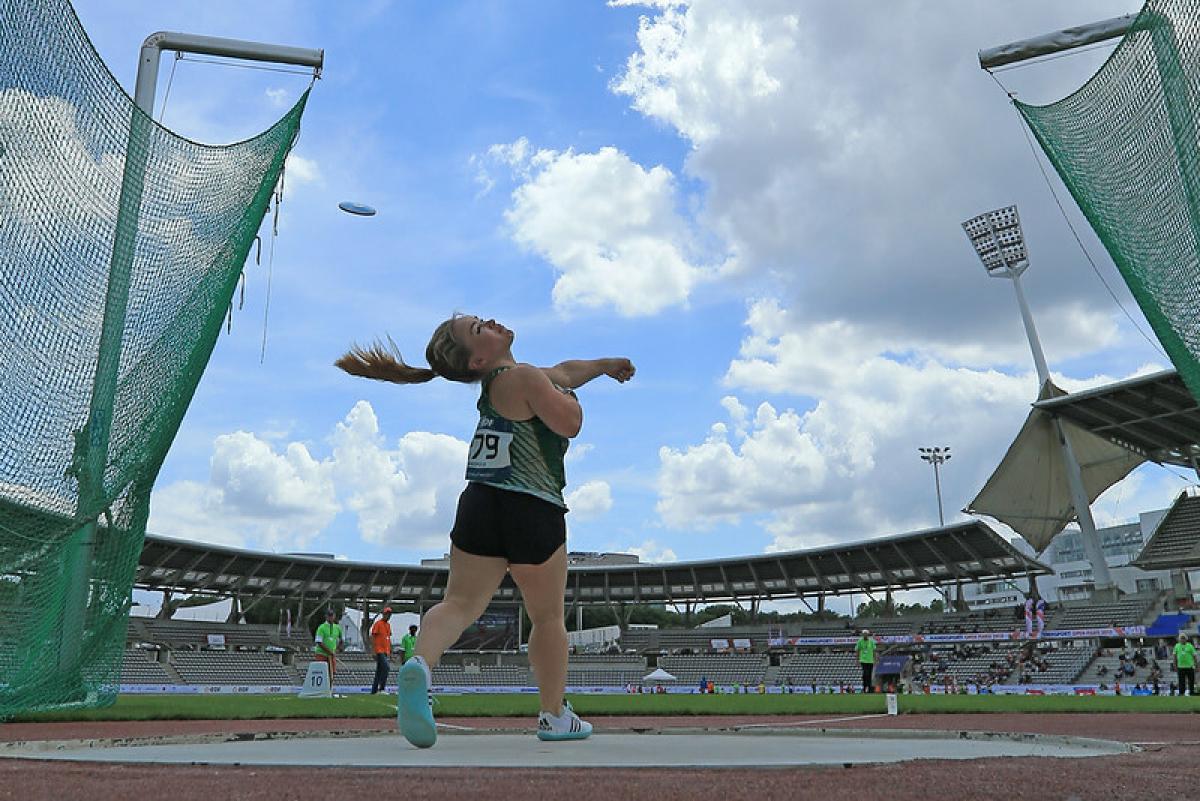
{"x":517,"y":455}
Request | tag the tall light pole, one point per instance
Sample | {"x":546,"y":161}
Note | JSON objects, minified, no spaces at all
{"x":937,"y":457}
{"x":1000,"y":245}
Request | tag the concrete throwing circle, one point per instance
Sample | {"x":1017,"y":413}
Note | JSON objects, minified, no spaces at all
{"x":680,"y":748}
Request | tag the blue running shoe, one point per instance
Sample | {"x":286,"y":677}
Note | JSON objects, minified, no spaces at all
{"x":565,"y":726}
{"x":412,"y":704}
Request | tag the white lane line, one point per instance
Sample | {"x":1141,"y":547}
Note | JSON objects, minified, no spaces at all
{"x":809,"y":722}
{"x":456,"y":728}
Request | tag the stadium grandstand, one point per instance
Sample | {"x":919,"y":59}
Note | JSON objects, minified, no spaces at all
{"x":934,"y":650}
{"x":1092,"y":641}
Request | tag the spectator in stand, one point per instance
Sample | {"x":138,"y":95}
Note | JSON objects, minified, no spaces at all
{"x":381,"y":645}
{"x":329,"y":642}
{"x":865,"y":648}
{"x":1185,"y":665}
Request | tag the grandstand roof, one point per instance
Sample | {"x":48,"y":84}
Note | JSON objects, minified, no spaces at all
{"x":1154,"y":415}
{"x":969,"y":551}
{"x":1175,"y":542}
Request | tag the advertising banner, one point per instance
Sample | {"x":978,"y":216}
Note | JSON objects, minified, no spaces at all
{"x":977,"y":636}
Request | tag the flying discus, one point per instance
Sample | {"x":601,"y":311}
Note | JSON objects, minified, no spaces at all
{"x":358,"y":209}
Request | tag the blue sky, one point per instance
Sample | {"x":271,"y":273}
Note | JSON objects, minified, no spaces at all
{"x":758,"y":203}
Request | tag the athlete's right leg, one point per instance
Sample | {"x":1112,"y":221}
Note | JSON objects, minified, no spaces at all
{"x":472,"y":583}
{"x":469,"y":589}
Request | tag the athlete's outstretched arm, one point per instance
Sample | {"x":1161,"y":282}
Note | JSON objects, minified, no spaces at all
{"x":577,"y":372}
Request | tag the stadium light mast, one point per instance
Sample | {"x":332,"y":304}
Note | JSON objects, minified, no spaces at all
{"x":1000,"y":245}
{"x":937,"y":457}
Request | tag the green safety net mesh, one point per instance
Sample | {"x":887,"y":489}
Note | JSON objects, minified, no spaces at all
{"x":1125,"y":144}
{"x":121,"y":245}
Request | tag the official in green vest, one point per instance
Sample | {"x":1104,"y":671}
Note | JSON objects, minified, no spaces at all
{"x":1185,"y":665}
{"x":408,"y":644}
{"x":328,"y":643}
{"x":865,"y":648}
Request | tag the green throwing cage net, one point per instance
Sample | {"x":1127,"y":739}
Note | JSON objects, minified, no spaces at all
{"x":1125,"y":144}
{"x":121,"y":245}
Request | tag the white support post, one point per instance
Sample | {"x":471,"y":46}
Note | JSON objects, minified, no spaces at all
{"x":1056,"y":42}
{"x":1079,"y":499}
{"x":156,"y":43}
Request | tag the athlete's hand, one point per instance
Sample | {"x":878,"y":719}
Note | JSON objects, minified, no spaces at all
{"x":620,"y":369}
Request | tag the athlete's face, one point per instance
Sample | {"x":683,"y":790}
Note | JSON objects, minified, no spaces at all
{"x":486,"y":340}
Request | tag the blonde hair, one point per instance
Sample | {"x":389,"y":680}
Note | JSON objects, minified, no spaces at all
{"x":447,"y":358}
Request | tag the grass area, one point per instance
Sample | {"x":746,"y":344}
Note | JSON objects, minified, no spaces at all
{"x":247,"y":707}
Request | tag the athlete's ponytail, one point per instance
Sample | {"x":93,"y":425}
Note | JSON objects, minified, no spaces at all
{"x":381,"y":362}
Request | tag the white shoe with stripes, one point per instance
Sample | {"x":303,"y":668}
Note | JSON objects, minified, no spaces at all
{"x":564,"y":726}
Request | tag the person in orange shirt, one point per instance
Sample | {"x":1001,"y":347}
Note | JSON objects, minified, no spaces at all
{"x":381,"y":644}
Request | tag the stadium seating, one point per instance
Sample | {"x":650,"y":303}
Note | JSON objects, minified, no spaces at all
{"x":237,"y":667}
{"x":1085,"y":615}
{"x":984,"y":663}
{"x":140,"y":667}
{"x":961,"y":622}
{"x":717,"y":668}
{"x":1063,"y":666}
{"x":194,"y":633}
{"x":482,"y":676}
{"x":1106,"y":669}
{"x":605,"y":671}
{"x":832,"y":629}
{"x":820,"y":669}
{"x":639,"y":640}
{"x":892,"y":627}
{"x":188,"y":659}
{"x":1176,"y":533}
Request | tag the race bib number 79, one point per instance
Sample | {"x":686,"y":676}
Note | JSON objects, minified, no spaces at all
{"x":488,"y":457}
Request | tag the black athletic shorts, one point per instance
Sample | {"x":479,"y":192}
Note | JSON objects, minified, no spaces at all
{"x":516,"y":526}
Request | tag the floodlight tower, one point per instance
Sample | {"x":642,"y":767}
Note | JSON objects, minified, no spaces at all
{"x":1000,"y":245}
{"x":937,"y":457}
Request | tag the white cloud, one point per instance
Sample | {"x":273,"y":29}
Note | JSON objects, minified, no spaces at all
{"x":278,"y":97}
{"x":283,"y":500}
{"x":608,"y":226}
{"x":842,"y":174}
{"x":775,"y":465}
{"x":402,"y":496}
{"x":190,"y":510}
{"x":275,"y":500}
{"x":590,"y":500}
{"x":578,"y":451}
{"x":703,"y":65}
{"x":848,"y":467}
{"x":652,"y":551}
{"x":300,"y":172}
